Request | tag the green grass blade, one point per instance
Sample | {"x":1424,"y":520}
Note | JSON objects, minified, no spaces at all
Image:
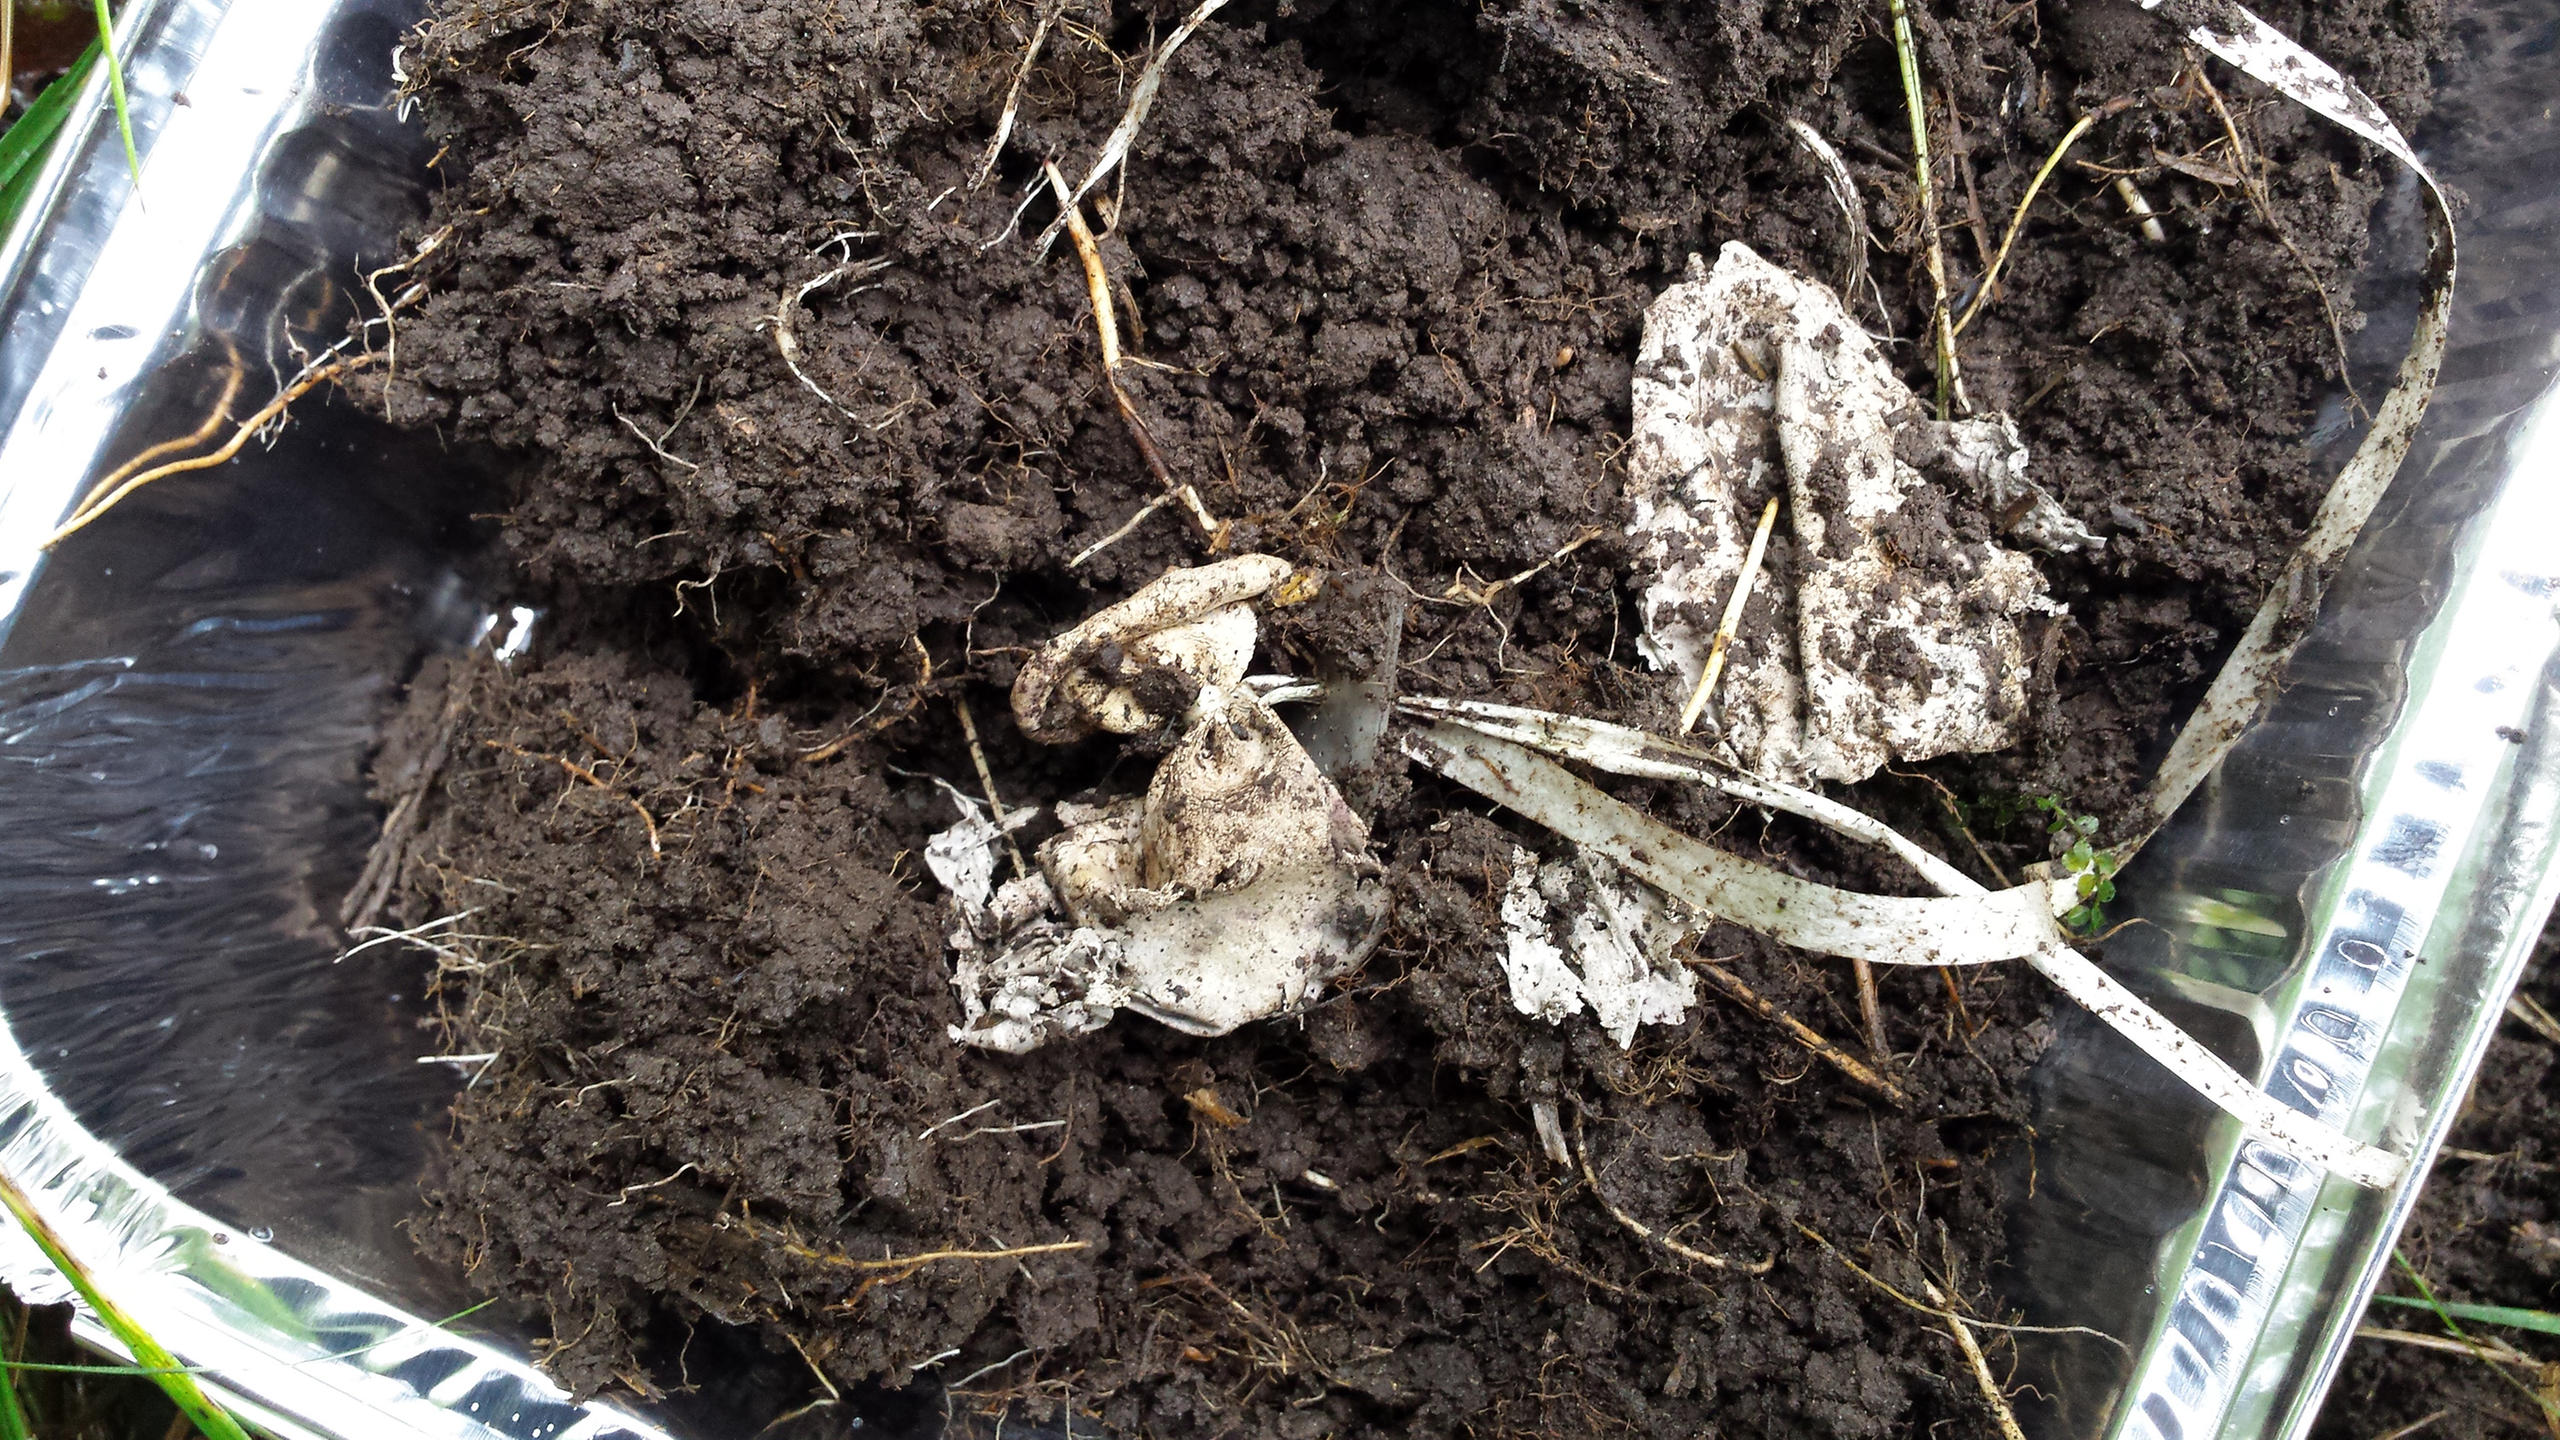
{"x":2541,"y":1322}
{"x":23,"y":145}
{"x":181,"y":1388}
{"x":13,"y":1416}
{"x":115,"y":83}
{"x":2427,"y":1299}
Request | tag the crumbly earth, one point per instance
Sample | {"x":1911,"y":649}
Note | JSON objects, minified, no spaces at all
{"x":1381,"y":270}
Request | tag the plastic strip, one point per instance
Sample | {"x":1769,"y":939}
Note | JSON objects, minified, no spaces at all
{"x":2256,"y":667}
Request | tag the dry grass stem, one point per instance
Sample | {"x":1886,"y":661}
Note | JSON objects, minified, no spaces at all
{"x":1732,"y":621}
{"x":1803,"y":1034}
{"x":1973,"y":1355}
{"x":987,"y":782}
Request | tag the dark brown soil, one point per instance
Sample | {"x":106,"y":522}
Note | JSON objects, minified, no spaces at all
{"x":1387,"y":263}
{"x":2486,"y":1230}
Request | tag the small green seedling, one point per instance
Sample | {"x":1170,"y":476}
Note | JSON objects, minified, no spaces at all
{"x":2093,"y":870}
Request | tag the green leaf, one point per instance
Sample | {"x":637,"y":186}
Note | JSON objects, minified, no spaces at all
{"x":23,"y":145}
{"x":2443,"y":1312}
{"x":115,"y":84}
{"x":13,"y":1416}
{"x":2541,"y":1322}
{"x":148,"y":1354}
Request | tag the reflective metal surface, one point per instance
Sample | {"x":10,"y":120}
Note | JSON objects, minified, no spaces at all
{"x":186,"y":698}
{"x":2346,"y":908}
{"x":201,"y":1099}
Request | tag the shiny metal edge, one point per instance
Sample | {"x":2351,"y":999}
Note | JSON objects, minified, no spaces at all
{"x":2430,"y":826}
{"x":2255,"y":1280}
{"x":102,"y":287}
{"x":301,"y":1353}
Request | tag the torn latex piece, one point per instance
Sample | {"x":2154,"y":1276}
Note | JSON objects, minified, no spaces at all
{"x":1582,"y":932}
{"x":962,"y":859}
{"x":1898,"y":637}
{"x":1230,"y":892}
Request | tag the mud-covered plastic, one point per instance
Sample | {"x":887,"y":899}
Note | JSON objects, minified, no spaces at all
{"x":232,"y":1124}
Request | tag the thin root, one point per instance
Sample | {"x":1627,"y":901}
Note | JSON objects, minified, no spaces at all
{"x":1142,"y":96}
{"x":987,"y":782}
{"x":581,"y":772}
{"x":2529,"y":1010}
{"x":1941,"y":322}
{"x":1049,"y":10}
{"x":1106,"y":325}
{"x":788,"y":343}
{"x":1642,"y":1231}
{"x":1870,"y":1008}
{"x":1982,"y":1376}
{"x":1461,"y":592}
{"x":1957,"y":1325}
{"x":97,"y":503}
{"x":2250,"y":181}
{"x":2140,"y":209}
{"x":891,"y":1269}
{"x":2018,"y":218}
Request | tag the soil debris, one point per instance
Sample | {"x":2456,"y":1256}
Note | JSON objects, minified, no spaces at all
{"x":1379,"y":277}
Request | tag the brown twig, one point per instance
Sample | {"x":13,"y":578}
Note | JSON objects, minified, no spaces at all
{"x":1803,"y":1034}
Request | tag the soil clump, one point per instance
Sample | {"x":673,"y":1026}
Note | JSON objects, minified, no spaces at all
{"x":1382,"y":272}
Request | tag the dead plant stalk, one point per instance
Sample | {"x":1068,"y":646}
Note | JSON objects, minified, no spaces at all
{"x":1916,"y":100}
{"x":1106,"y":324}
